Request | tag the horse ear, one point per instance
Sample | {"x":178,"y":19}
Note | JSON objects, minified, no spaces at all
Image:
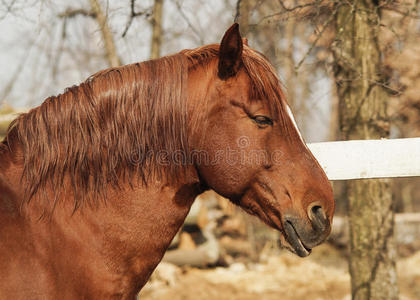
{"x":230,"y":53}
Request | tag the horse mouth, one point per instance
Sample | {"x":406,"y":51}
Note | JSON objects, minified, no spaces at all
{"x":273,"y":219}
{"x":292,"y":237}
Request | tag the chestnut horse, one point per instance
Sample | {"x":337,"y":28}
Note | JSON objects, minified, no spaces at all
{"x":95,"y":182}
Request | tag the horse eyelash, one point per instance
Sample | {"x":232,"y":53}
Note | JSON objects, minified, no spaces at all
{"x":251,"y":116}
{"x":268,"y":119}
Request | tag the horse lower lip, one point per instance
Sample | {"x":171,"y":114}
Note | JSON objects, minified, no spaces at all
{"x":293,"y":238}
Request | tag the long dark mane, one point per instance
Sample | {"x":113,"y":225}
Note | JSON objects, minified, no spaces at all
{"x":97,"y":133}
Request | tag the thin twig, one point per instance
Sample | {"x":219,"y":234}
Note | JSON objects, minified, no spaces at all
{"x":107,"y":36}
{"x":407,"y":13}
{"x":71,"y":13}
{"x":324,"y":27}
{"x":134,"y":14}
{"x":18,"y":71}
{"x":238,"y":11}
{"x":184,"y":16}
{"x":286,"y":10}
{"x":291,"y":9}
{"x":8,"y":6}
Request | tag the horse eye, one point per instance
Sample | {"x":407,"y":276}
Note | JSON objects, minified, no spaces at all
{"x":263,"y":120}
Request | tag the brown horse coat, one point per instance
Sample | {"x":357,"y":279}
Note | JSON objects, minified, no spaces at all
{"x":96,"y":182}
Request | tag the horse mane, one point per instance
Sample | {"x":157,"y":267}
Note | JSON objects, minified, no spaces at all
{"x":100,"y":131}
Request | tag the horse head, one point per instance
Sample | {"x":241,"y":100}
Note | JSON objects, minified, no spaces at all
{"x":256,"y":156}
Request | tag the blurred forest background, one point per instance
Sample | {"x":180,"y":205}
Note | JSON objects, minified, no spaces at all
{"x":48,"y":45}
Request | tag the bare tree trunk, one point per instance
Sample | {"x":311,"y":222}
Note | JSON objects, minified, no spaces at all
{"x":363,"y":115}
{"x":110,"y":48}
{"x":157,"y":29}
{"x":334,"y":116}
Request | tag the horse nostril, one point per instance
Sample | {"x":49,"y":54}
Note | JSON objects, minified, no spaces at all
{"x":317,"y":210}
{"x":318,"y":217}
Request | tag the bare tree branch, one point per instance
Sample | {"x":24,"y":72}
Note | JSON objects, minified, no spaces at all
{"x":97,"y":13}
{"x":238,"y":10}
{"x":407,"y":13}
{"x":184,"y":16}
{"x":324,"y":27}
{"x":8,"y":8}
{"x":133,"y":15}
{"x":318,"y":4}
{"x":156,"y":29}
{"x":110,"y":48}
{"x":291,"y":9}
{"x":71,"y":13}
{"x":10,"y":85}
{"x":56,"y":60}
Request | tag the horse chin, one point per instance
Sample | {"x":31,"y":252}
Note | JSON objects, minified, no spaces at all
{"x":291,"y":241}
{"x":300,"y":250}
{"x":289,"y":237}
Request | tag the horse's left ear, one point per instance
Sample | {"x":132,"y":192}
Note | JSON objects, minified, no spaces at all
{"x":230,"y":53}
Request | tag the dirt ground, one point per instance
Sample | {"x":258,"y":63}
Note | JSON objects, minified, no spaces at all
{"x":322,"y":275}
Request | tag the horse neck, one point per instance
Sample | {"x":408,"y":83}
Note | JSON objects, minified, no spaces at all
{"x":119,"y":241}
{"x":137,"y":225}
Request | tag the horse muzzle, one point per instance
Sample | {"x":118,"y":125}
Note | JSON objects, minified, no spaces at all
{"x":301,"y":235}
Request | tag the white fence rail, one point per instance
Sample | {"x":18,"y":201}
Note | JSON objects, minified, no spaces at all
{"x":7,"y":118}
{"x":369,"y":158}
